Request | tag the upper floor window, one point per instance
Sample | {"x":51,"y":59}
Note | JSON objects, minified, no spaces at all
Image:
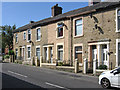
{"x":78,"y":27}
{"x":16,"y":38}
{"x":38,"y":34}
{"x":118,"y":20}
{"x":60,"y":30}
{"x":29,"y":35}
{"x":24,"y":36}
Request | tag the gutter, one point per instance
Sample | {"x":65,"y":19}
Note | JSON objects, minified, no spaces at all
{"x":91,"y":11}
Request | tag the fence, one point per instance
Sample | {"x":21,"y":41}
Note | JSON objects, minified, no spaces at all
{"x":92,"y":66}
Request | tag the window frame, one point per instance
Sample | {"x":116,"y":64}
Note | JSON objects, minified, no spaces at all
{"x":117,"y":9}
{"x":27,"y":51}
{"x":59,"y":50}
{"x":74,"y":52}
{"x":117,"y":49}
{"x":36,"y":50}
{"x":37,"y":34}
{"x":59,"y":44}
{"x":24,"y":36}
{"x":57,"y":30}
{"x":28,"y":35}
{"x":74,"y":27}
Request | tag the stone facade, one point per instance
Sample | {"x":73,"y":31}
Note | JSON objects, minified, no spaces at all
{"x":98,"y":37}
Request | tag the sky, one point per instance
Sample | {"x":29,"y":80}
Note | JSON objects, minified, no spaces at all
{"x":21,"y":13}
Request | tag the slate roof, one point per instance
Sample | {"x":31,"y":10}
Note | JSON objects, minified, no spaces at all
{"x":69,"y":14}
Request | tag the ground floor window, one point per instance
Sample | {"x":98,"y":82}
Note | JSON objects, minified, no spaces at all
{"x":78,"y":53}
{"x":118,"y":54}
{"x":45,"y":53}
{"x":60,"y":52}
{"x":16,"y":51}
{"x":38,"y":53}
{"x":29,"y":51}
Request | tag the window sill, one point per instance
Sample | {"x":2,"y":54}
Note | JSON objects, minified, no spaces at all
{"x":16,"y":42}
{"x":117,"y":31}
{"x":28,"y":58}
{"x":38,"y":40}
{"x":60,"y":37}
{"x":80,"y":64}
{"x":78,"y":36}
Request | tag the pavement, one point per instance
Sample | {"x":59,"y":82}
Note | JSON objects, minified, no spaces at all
{"x":25,"y":76}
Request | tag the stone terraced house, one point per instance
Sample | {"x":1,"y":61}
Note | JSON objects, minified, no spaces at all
{"x":91,"y":33}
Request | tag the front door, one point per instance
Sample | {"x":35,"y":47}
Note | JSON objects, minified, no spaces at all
{"x":104,"y":54}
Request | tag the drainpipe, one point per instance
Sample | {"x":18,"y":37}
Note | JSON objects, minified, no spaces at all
{"x":71,"y":41}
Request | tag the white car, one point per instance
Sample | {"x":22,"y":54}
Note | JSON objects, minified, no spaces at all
{"x":110,"y":78}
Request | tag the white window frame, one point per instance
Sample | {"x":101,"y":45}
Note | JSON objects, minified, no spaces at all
{"x":30,"y":51}
{"x":77,"y":45}
{"x":36,"y":48}
{"x":117,"y":41}
{"x":81,"y":24}
{"x":57,"y":30}
{"x":24,"y":37}
{"x":36,"y":33}
{"x":28,"y":34}
{"x":117,"y":19}
{"x":58,"y":44}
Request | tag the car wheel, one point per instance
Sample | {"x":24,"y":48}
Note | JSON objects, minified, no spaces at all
{"x":105,"y":83}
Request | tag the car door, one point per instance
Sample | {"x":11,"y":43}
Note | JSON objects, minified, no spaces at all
{"x":115,"y":77}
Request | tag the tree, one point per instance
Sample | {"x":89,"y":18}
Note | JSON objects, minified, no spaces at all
{"x":7,"y":36}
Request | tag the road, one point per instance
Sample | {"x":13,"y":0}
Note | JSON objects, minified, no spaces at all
{"x":24,"y":76}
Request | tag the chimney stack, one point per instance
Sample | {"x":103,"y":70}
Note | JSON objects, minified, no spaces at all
{"x":93,"y":2}
{"x":56,"y":10}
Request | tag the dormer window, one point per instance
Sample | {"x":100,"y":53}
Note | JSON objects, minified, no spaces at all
{"x":60,"y":30}
{"x":29,"y":35}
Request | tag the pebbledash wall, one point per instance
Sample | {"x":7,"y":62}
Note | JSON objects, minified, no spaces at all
{"x":99,"y":39}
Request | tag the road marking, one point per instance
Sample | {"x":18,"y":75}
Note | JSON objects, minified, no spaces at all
{"x":56,"y":85}
{"x":17,"y":74}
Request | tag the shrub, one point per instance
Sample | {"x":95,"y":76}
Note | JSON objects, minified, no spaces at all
{"x":11,"y":52}
{"x":60,"y":63}
{"x":104,"y":67}
{"x":6,"y":57}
